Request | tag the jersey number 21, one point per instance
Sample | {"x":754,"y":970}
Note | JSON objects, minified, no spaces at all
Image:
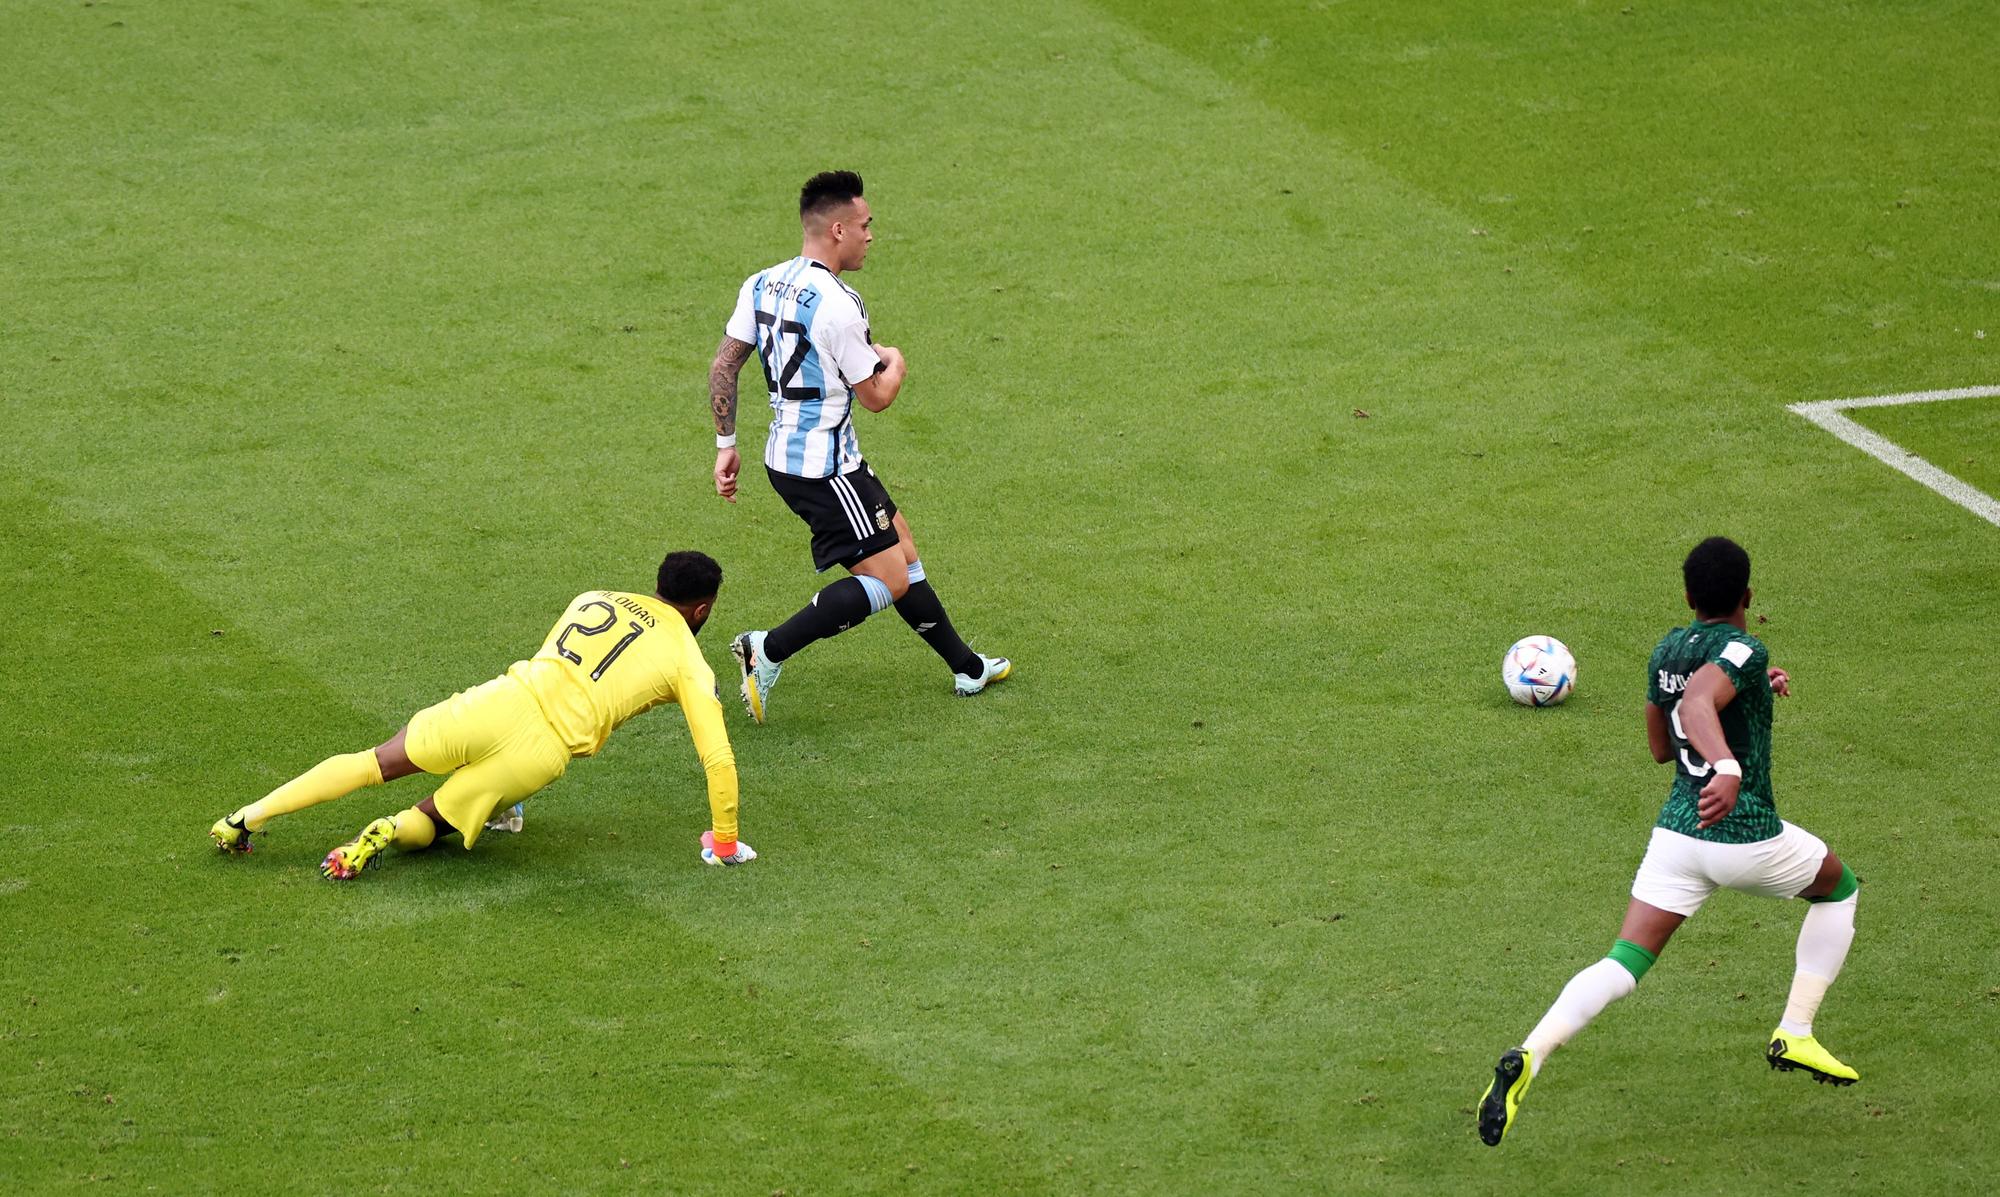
{"x":610,"y":617}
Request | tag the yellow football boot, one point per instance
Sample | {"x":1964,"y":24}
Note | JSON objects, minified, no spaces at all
{"x":1802,"y":1053}
{"x":1511,"y":1078}
{"x":759,"y":674}
{"x":230,"y":835}
{"x":347,"y":861}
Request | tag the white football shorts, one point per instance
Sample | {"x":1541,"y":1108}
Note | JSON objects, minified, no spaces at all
{"x":1680,"y":871}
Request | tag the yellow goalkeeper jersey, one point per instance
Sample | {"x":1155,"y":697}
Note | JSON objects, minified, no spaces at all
{"x":612,"y":655}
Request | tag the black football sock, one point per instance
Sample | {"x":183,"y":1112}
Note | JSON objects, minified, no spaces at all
{"x":832,"y":611}
{"x":921,"y":609}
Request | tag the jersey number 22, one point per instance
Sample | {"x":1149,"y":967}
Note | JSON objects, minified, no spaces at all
{"x":772,"y":334}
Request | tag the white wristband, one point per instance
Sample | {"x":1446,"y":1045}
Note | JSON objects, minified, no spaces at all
{"x":1728,"y":768}
{"x":726,"y":442}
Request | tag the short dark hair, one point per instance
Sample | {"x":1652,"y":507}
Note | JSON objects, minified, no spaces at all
{"x":1717,"y":573}
{"x":828,"y":189}
{"x":689,"y":577}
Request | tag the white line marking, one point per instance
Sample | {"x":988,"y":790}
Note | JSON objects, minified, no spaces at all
{"x":1826,"y":414}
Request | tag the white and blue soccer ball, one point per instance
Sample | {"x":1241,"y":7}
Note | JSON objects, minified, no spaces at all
{"x":1540,"y":671}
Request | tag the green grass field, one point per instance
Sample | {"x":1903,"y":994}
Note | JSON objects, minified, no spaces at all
{"x":341,"y":344}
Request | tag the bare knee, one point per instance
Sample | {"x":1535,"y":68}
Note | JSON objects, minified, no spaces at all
{"x":1649,"y":926}
{"x":1826,"y":880}
{"x":443,"y":825}
{"x":889,"y":568}
{"x":392,"y":756}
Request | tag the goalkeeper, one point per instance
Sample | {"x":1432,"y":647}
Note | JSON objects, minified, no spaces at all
{"x":610,"y":655}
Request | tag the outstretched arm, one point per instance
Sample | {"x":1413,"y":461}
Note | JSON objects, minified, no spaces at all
{"x":718,"y":761}
{"x":722,"y":376}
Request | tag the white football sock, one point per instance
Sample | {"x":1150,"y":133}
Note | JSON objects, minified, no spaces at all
{"x":1583,"y":999}
{"x":1824,"y":938}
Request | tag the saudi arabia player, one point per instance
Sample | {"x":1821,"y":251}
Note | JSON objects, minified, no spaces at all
{"x":1708,"y":710}
{"x":610,"y":655}
{"x":811,"y":332}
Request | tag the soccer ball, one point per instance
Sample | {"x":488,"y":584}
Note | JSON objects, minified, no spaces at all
{"x":1539,"y":671}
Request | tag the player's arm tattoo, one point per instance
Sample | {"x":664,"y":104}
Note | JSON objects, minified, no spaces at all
{"x":729,"y":359}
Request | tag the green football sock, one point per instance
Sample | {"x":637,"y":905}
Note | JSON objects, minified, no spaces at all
{"x":1635,"y":958}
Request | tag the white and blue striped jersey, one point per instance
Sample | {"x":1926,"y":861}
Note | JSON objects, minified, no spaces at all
{"x":811,"y":334}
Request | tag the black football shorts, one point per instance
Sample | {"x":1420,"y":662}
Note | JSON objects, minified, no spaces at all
{"x":851,"y":515}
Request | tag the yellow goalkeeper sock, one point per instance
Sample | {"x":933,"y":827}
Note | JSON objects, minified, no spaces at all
{"x":334,"y":777}
{"x":414,"y":830}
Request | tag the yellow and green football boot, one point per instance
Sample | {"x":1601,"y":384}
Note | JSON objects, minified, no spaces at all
{"x":1802,"y":1053}
{"x":347,"y":861}
{"x":1511,"y":1078}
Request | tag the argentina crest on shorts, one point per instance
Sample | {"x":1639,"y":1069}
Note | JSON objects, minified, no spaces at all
{"x":851,"y":515}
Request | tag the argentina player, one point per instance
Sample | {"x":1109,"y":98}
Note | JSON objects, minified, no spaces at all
{"x":811,"y":333}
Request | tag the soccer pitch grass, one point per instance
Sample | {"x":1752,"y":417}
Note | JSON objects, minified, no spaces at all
{"x":340,"y":345}
{"x":1961,"y":437}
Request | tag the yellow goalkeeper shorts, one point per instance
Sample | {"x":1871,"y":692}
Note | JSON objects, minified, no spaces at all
{"x":495,"y":743}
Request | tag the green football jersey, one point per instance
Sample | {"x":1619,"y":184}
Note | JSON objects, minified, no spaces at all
{"x":1746,"y":725}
